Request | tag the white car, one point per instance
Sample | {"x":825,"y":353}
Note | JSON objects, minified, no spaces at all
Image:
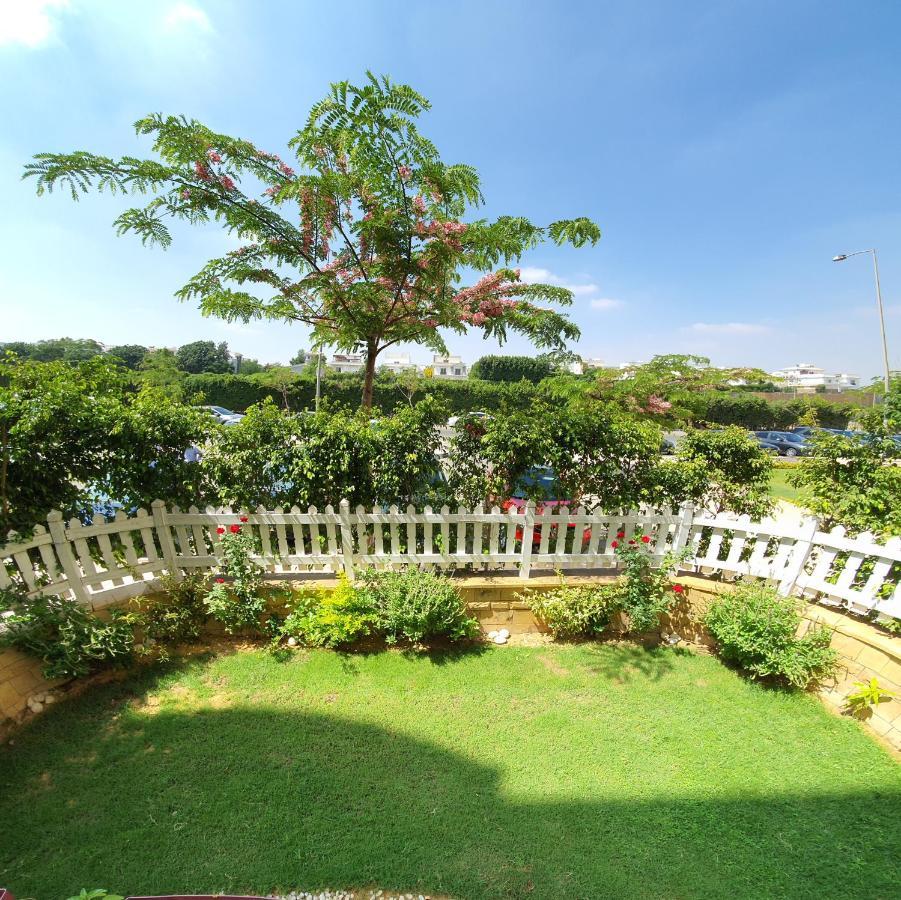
{"x":223,"y":416}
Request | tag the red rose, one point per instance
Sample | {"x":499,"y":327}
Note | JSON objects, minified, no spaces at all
{"x":220,"y":530}
{"x":646,"y":539}
{"x":220,"y":581}
{"x":234,"y":529}
{"x":620,"y":534}
{"x":678,"y":589}
{"x":243,"y":518}
{"x":614,"y":544}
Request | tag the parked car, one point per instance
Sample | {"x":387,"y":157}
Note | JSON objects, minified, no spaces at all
{"x":785,"y":443}
{"x":452,"y":421}
{"x":222,"y":415}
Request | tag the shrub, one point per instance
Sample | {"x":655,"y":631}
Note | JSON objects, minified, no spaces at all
{"x":176,"y":615}
{"x":757,"y":629}
{"x":646,"y":592}
{"x":417,"y":606}
{"x":327,"y":618}
{"x":239,"y":605}
{"x":69,"y":639}
{"x":869,"y":694}
{"x":572,"y":612}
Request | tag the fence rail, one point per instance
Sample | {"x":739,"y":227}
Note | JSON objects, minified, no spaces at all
{"x":111,"y":560}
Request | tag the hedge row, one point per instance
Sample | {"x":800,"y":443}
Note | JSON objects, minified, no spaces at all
{"x":716,"y":407}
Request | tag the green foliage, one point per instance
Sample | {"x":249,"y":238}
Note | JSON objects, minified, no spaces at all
{"x":96,"y":894}
{"x":853,"y":482}
{"x":69,"y":639}
{"x":720,"y":470}
{"x":757,"y":630}
{"x":55,"y":424}
{"x":160,"y":371}
{"x":365,"y":244}
{"x":869,"y":694}
{"x":204,"y":356}
{"x":416,"y":606}
{"x":54,"y":350}
{"x":603,"y":458}
{"x":279,"y":379}
{"x":330,"y":618}
{"x":511,"y":368}
{"x":646,"y":592}
{"x":177,"y":614}
{"x":131,"y":355}
{"x":756,"y":413}
{"x":574,"y":611}
{"x":238,"y":605}
{"x":273,"y":459}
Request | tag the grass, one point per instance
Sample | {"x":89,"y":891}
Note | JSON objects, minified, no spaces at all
{"x":579,"y":771}
{"x":781,"y":489}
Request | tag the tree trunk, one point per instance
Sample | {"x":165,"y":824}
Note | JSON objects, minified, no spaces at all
{"x":369,"y":376}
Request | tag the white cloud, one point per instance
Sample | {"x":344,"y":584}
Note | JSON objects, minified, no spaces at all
{"x":28,"y":22}
{"x":185,"y":15}
{"x":535,"y":275}
{"x":605,"y":303}
{"x":727,"y":328}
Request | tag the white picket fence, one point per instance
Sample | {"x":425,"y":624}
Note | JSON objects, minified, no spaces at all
{"x":108,"y":561}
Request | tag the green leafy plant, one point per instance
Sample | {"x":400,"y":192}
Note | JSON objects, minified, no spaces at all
{"x":96,"y":894}
{"x":646,"y":592}
{"x":758,"y":630}
{"x":860,"y":703}
{"x":416,"y":606}
{"x":177,"y":614}
{"x":69,"y":639}
{"x":330,"y":618}
{"x":238,"y":605}
{"x":573,"y":611}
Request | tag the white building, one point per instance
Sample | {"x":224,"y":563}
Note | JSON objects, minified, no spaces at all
{"x":447,"y":367}
{"x":581,"y":366}
{"x":808,"y":377}
{"x":347,"y":363}
{"x":397,"y":363}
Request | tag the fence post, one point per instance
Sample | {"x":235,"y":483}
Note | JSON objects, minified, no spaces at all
{"x":799,"y":555}
{"x":167,"y":545}
{"x":683,"y":526}
{"x":528,"y":533}
{"x":347,"y":539}
{"x":66,"y":557}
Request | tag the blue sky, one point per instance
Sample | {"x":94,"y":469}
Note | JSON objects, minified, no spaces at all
{"x":727,"y":149}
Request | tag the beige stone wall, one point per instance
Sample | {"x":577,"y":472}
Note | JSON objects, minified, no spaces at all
{"x":865,"y":651}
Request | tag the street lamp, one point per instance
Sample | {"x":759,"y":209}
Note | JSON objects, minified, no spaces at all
{"x":841,"y":258}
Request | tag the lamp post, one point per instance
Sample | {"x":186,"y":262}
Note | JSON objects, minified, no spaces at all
{"x":841,"y":258}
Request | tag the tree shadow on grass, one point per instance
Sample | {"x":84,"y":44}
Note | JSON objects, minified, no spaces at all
{"x":621,"y":662}
{"x":252,"y":800}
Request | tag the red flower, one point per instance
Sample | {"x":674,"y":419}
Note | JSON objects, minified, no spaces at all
{"x":234,"y":529}
{"x":678,"y":589}
{"x":646,"y":539}
{"x":631,"y":542}
{"x":220,"y":581}
{"x":614,"y":544}
{"x":220,"y":530}
{"x":243,"y":518}
{"x":620,"y":534}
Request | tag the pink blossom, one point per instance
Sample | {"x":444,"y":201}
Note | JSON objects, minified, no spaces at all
{"x":201,"y":171}
{"x":287,"y":170}
{"x":419,"y":204}
{"x":479,"y":318}
{"x":658,"y":405}
{"x":319,"y":151}
{"x":213,"y":156}
{"x":272,"y":191}
{"x":405,"y":172}
{"x":430,"y":323}
{"x":186,"y":194}
{"x":227,"y":183}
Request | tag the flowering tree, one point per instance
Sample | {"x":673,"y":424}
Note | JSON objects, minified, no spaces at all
{"x":365,"y":243}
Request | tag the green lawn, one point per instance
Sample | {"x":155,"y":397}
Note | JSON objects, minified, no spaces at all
{"x":781,"y":489}
{"x":582,"y":771}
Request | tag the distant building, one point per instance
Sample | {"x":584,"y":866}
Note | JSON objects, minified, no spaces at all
{"x":806,"y":377}
{"x":581,"y":366}
{"x":347,"y":363}
{"x":399,"y":362}
{"x":448,"y":367}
